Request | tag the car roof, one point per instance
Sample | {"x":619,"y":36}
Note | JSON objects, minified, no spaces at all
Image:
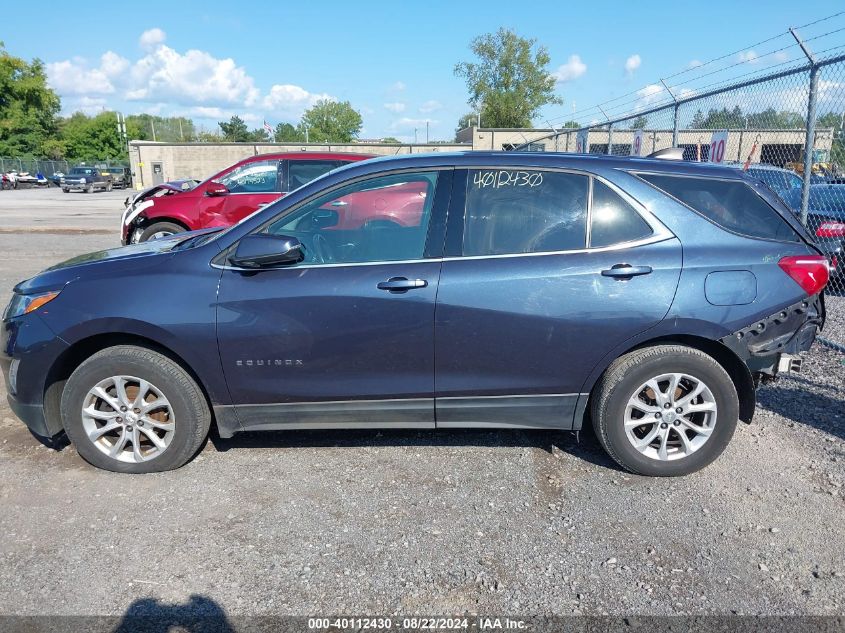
{"x":543,"y":159}
{"x":350,"y":156}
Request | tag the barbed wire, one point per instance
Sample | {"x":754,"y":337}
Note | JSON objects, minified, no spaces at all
{"x":605,"y":106}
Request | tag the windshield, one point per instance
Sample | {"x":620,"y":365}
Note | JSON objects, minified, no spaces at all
{"x":82,"y":171}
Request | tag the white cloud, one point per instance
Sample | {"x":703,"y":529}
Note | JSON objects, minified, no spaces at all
{"x":398,"y":86}
{"x":430,"y":106}
{"x":76,"y":77}
{"x":572,"y":69}
{"x":192,"y":82}
{"x":151,"y":38}
{"x":406,"y":123}
{"x":649,"y":95}
{"x":748,"y":56}
{"x":288,"y":100}
{"x":396,"y":106}
{"x":632,"y":64}
{"x":695,"y":63}
{"x":193,"y":77}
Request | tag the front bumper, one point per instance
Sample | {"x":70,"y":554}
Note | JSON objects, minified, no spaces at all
{"x":36,"y":348}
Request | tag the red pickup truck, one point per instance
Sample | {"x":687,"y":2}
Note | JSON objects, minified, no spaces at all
{"x":225,"y":198}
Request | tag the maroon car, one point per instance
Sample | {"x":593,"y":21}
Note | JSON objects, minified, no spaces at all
{"x":225,"y":198}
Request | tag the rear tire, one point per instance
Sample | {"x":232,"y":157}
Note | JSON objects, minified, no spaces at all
{"x":170,"y":406}
{"x":160,"y":229}
{"x":108,"y":187}
{"x":65,"y":190}
{"x":695,"y":397}
{"x":89,"y":189}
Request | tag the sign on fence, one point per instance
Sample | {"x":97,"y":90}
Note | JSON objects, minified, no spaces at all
{"x":718,"y":144}
{"x":581,"y":146}
{"x":637,"y":145}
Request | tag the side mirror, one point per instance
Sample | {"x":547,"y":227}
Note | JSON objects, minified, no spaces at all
{"x":215,"y":188}
{"x":260,"y":250}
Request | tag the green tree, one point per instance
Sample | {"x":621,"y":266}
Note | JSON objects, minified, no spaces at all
{"x":164,"y":129}
{"x":28,"y":108}
{"x":287,"y":133}
{"x":91,"y":138}
{"x":332,"y":122}
{"x":639,"y":123}
{"x":467,"y":120}
{"x":510,"y":81}
{"x":571,"y":124}
{"x":235,"y":130}
{"x":834,"y":120}
{"x":390,"y":139}
{"x":259,"y":135}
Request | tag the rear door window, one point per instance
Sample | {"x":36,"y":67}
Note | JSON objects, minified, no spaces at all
{"x":612,"y":220}
{"x":512,"y":211}
{"x":301,"y":172}
{"x":732,"y":204}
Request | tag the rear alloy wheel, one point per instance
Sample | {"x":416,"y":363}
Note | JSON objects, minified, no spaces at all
{"x":666,"y":410}
{"x":130,"y":409}
{"x":159,"y":230}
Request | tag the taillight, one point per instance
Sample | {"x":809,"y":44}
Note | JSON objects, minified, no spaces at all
{"x":808,"y":271}
{"x":831,"y":229}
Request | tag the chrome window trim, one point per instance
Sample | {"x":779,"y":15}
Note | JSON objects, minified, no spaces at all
{"x":652,"y":239}
{"x":660,"y":234}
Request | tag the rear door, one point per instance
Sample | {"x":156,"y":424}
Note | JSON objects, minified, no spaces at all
{"x":300,"y":171}
{"x":545,"y":272}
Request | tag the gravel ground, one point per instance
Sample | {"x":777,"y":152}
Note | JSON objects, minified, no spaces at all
{"x":421,"y":522}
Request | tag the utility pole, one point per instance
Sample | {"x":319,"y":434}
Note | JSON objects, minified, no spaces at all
{"x":426,"y":132}
{"x":415,"y":136}
{"x":153,"y":126}
{"x":181,"y":136}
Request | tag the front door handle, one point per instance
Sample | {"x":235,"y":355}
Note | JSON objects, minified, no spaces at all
{"x":625,"y":271}
{"x":401,"y":284}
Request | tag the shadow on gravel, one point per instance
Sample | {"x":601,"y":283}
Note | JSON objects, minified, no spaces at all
{"x":805,"y":407}
{"x":586,"y":447}
{"x":199,"y":615}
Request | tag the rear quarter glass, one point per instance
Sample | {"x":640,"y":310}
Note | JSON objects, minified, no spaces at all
{"x":733,"y":205}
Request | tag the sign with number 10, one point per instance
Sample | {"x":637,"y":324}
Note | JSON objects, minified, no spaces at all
{"x":718,"y":143}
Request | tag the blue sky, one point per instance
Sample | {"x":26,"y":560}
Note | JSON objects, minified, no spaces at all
{"x":392,"y":60}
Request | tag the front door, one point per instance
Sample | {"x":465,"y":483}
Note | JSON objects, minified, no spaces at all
{"x":251,"y":186}
{"x":530,"y":298}
{"x":345,"y":337}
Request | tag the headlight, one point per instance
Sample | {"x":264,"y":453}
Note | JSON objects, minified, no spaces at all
{"x":24,"y":304}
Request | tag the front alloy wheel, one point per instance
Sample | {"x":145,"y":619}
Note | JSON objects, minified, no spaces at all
{"x":134,"y":410}
{"x":128,"y":419}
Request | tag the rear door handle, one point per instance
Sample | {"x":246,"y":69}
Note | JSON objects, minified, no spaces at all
{"x":625,"y":271}
{"x":401,"y":284}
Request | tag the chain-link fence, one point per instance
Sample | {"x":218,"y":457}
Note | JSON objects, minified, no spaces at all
{"x":48,"y":168}
{"x":786,"y":128}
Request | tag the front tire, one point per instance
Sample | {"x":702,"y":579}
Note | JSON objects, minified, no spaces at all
{"x":665,"y":411}
{"x":129,"y":409}
{"x":160,"y":229}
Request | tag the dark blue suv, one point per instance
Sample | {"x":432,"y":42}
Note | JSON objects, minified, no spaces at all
{"x":532,"y":291}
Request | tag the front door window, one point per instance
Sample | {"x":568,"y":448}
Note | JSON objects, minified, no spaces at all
{"x":377,"y":220}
